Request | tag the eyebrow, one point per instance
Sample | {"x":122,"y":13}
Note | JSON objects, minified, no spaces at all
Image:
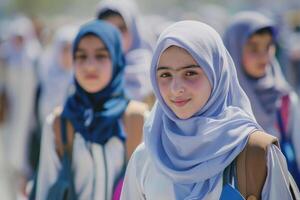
{"x":181,"y":68}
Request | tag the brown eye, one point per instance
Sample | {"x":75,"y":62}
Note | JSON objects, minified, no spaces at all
{"x":122,"y":29}
{"x":164,"y":75}
{"x":102,"y":57}
{"x":80,"y":57}
{"x":191,"y":73}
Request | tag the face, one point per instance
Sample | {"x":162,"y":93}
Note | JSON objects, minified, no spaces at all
{"x":182,"y":83}
{"x":119,"y":22}
{"x":93,"y":66}
{"x":66,"y":56}
{"x":18,"y":42}
{"x":257,"y":52}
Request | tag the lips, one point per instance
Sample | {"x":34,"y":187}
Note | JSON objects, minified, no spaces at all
{"x":180,"y":102}
{"x":91,"y":76}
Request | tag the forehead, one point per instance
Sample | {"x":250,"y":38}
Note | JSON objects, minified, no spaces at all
{"x":116,"y":20}
{"x":175,"y":56}
{"x":91,"y":42}
{"x":259,"y":39}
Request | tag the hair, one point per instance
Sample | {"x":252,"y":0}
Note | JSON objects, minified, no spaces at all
{"x":266,"y":30}
{"x":86,"y":35}
{"x":108,"y":13}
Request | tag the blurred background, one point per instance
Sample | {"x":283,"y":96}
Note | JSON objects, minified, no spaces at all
{"x":49,"y":16}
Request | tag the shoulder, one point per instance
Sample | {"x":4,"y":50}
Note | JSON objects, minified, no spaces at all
{"x":260,"y":140}
{"x":135,"y":111}
{"x":140,"y":157}
{"x":136,"y":108}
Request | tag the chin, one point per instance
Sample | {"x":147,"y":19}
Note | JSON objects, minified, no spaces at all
{"x":92,"y":90}
{"x":183,"y":116}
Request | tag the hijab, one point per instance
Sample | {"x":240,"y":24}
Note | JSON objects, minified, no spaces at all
{"x":138,"y":57}
{"x":26,"y":54}
{"x":55,"y":78}
{"x":265,"y":92}
{"x":194,"y":152}
{"x":129,"y":12}
{"x":96,"y":116}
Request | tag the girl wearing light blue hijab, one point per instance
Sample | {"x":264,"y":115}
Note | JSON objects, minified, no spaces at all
{"x":200,"y":123}
{"x":250,"y":39}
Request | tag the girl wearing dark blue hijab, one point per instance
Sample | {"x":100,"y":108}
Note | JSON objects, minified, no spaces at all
{"x":96,"y":110}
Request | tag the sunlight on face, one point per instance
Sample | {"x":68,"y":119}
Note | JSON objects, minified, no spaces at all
{"x":257,"y":53}
{"x":93,"y":66}
{"x":183,"y":85}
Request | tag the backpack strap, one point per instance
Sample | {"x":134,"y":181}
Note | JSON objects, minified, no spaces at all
{"x":133,"y":120}
{"x":63,"y":142}
{"x":3,"y":105}
{"x":252,"y":164}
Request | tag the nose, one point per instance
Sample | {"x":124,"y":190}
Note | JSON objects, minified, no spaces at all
{"x":90,"y":62}
{"x":264,"y":57}
{"x":177,"y":86}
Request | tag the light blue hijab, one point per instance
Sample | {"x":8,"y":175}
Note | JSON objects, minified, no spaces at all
{"x":265,"y":92}
{"x":194,"y":152}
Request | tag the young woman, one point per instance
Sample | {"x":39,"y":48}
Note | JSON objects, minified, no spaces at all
{"x":123,"y":14}
{"x":250,"y":39}
{"x":199,"y":126}
{"x":98,"y":112}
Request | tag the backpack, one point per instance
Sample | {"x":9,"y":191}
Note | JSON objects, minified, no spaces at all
{"x":251,"y":169}
{"x":63,"y":188}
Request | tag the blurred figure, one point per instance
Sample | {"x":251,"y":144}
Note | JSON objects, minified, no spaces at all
{"x":123,"y":14}
{"x":97,"y":115}
{"x":293,"y":47}
{"x":250,"y":39}
{"x":56,"y":71}
{"x":19,"y":54}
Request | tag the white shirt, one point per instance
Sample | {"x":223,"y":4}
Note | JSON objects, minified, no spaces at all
{"x":143,"y":181}
{"x":91,"y":161}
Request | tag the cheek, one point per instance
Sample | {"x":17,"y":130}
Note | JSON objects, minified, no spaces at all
{"x":248,"y":61}
{"x":127,"y":41}
{"x":105,"y":73}
{"x":164,"y":88}
{"x":200,"y":86}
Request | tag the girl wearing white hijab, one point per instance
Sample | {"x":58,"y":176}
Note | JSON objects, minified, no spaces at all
{"x":19,"y":53}
{"x":56,"y":71}
{"x":199,"y":125}
{"x":123,"y":14}
{"x":250,"y":39}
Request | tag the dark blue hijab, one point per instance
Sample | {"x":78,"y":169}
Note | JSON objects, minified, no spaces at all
{"x":96,"y":116}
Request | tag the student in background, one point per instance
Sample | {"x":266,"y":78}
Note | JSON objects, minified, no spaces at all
{"x":56,"y":71}
{"x":98,"y":112}
{"x":250,"y":38}
{"x":123,"y":14}
{"x":19,"y":53}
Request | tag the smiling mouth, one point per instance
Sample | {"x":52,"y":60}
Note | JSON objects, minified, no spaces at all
{"x":180,"y":103}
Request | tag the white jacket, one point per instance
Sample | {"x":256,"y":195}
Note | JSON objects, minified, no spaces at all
{"x":143,"y":181}
{"x":96,"y":167}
